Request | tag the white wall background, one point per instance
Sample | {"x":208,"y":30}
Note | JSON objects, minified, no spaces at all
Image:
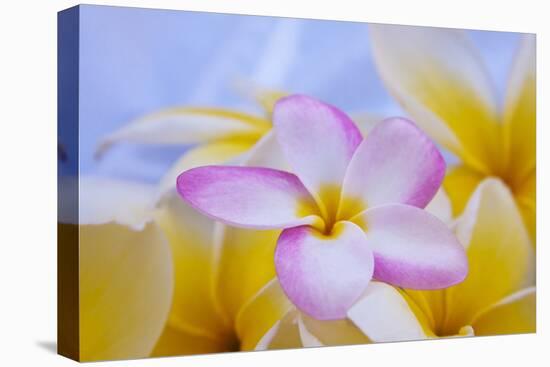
{"x":28,"y":172}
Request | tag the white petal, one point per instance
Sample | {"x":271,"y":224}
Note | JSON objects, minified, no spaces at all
{"x":187,"y":126}
{"x":318,"y":141}
{"x":384,"y":315}
{"x":103,"y":200}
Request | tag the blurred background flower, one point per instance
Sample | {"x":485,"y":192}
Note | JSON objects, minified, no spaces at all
{"x":440,"y":79}
{"x":125,"y":270}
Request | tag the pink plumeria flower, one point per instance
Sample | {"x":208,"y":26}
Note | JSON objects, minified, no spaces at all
{"x":352,"y":212}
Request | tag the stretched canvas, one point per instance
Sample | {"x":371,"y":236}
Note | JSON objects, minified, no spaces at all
{"x":235,"y":183}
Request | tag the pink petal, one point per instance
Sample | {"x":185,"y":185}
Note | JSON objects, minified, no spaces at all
{"x":249,"y":197}
{"x":324,"y":275}
{"x":396,"y":163}
{"x":317,"y":139}
{"x":412,"y":248}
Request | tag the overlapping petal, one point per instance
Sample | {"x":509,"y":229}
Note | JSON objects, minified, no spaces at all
{"x":261,"y":313}
{"x":250,"y":197}
{"x":526,"y":199}
{"x":316,"y":333}
{"x":495,"y":238}
{"x":318,"y":141}
{"x":396,"y":163}
{"x":323,"y":275}
{"x":191,"y":239}
{"x":243,"y":265}
{"x":513,"y":314}
{"x":384,"y":315}
{"x":283,"y":334}
{"x":412,"y":248}
{"x":459,"y":183}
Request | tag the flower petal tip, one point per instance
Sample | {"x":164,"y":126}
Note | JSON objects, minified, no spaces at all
{"x":248,"y":197}
{"x":414,"y":249}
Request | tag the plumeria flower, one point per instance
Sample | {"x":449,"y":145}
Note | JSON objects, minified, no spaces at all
{"x":497,"y":297}
{"x":225,"y":295}
{"x":440,"y":80}
{"x":351,"y":212}
{"x":223,"y":290}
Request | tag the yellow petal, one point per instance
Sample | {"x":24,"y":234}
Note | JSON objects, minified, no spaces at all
{"x":338,"y":332}
{"x":284,"y":334}
{"x":500,"y":256}
{"x":202,"y":155}
{"x":126,"y":286}
{"x":307,"y":338}
{"x":514,"y":314}
{"x":187,"y":125}
{"x":176,"y":342}
{"x":439,"y":79}
{"x":245,"y":257}
{"x":520,"y":113}
{"x":203,"y":305}
{"x":261,"y":314}
{"x":526,"y":198}
{"x":244,"y":266}
{"x":459,"y":183}
{"x":191,"y":238}
{"x":428,"y":307}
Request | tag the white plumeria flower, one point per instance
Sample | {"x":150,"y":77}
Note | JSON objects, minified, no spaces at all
{"x":352,"y":212}
{"x":439,"y":78}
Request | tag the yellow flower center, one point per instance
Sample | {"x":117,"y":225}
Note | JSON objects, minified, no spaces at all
{"x":333,"y":208}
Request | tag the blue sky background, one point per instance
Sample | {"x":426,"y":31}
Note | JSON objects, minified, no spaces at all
{"x":134,"y":61}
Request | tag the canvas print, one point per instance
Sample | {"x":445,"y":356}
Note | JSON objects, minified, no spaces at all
{"x":236,"y":183}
